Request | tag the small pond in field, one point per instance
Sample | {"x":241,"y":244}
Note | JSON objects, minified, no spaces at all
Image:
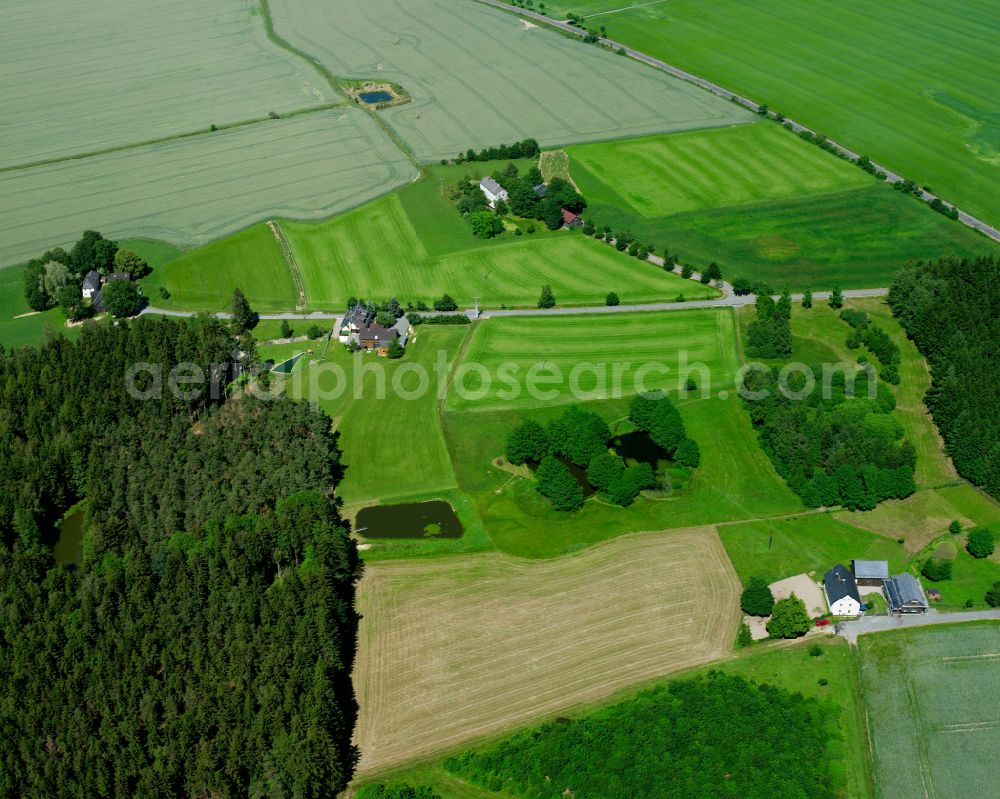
{"x":373,"y":98}
{"x":433,"y":519}
{"x":638,"y":447}
{"x":579,"y":474}
{"x":69,"y":544}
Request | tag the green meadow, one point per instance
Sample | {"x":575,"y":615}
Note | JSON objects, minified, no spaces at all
{"x":203,"y":279}
{"x":765,"y":205}
{"x":534,"y":361}
{"x":702,"y":170}
{"x":912,"y":84}
{"x":377,"y":252}
{"x":19,"y":325}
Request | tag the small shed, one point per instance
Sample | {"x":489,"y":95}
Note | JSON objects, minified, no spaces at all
{"x":870,"y":572}
{"x":570,"y":219}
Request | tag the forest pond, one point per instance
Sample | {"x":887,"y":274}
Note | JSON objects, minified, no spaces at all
{"x":69,"y":544}
{"x":433,"y":519}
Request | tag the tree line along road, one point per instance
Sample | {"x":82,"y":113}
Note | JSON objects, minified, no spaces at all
{"x":746,"y":102}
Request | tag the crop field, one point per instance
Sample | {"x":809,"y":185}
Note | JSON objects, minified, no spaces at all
{"x":717,"y":168}
{"x":151,"y":70}
{"x":854,"y":231}
{"x":931,"y":698}
{"x":204,"y":278}
{"x":193,"y":190}
{"x":646,"y":351}
{"x":376,"y":252}
{"x":451,"y":650}
{"x":479,"y":77}
{"x":910,"y":83}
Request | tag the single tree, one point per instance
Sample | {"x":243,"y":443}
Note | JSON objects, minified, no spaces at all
{"x":936,"y":569}
{"x":993,"y":596}
{"x":688,"y":454}
{"x":744,"y":637}
{"x":686,"y":271}
{"x":286,"y":329}
{"x":836,"y":298}
{"x":980,"y":542}
{"x":955,"y":527}
{"x":547,"y":298}
{"x":527,"y":442}
{"x":121,"y":298}
{"x":244,"y":318}
{"x":604,"y":469}
{"x":131,"y":262}
{"x":557,"y":484}
{"x":789,"y":619}
{"x":783,"y":308}
{"x":611,"y":299}
{"x":807,"y":298}
{"x":757,"y":599}
{"x":314,"y":332}
{"x":446,"y":303}
{"x":395,"y":350}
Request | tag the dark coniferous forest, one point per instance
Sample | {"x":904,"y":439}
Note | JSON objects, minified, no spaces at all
{"x":951,"y":310}
{"x":204,"y":645}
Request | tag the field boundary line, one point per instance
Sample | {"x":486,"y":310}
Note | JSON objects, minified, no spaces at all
{"x":166,"y":139}
{"x":290,"y":262}
{"x":720,"y":91}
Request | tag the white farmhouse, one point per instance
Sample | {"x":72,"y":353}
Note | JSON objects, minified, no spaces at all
{"x":493,"y":191}
{"x":842,"y":592}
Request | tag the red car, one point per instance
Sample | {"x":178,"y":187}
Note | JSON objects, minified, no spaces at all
{"x":822,"y":622}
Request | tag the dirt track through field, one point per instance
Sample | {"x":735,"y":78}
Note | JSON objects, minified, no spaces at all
{"x":458,"y":648}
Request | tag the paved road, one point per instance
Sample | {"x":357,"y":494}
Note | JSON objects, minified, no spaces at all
{"x":746,"y":102}
{"x":876,"y":624}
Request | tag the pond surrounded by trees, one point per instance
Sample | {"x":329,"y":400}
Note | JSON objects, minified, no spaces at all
{"x":373,"y":98}
{"x":69,"y":545}
{"x":433,"y":519}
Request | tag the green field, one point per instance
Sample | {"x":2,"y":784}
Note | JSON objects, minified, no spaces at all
{"x":734,"y":481}
{"x":194,"y":190}
{"x":204,"y":279}
{"x":19,"y":326}
{"x":523,"y":362}
{"x":709,"y":169}
{"x":151,"y":70}
{"x":479,"y":77}
{"x":377,"y":251}
{"x":931,"y":698}
{"x":807,"y":544}
{"x":912,"y":84}
{"x":764,"y":205}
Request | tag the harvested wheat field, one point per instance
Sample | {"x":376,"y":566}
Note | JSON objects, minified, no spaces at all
{"x":457,"y":648}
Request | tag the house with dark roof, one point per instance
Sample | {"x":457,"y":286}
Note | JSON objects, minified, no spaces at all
{"x":91,"y":284}
{"x":870,"y":573}
{"x":841,"y":592}
{"x":377,"y":338}
{"x":570,"y":219}
{"x":905,"y":594}
{"x":357,"y":318}
{"x":119,"y":276}
{"x":493,"y":191}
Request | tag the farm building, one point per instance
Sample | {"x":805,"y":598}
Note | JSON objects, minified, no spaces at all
{"x":493,"y":191}
{"x":842,"y":592}
{"x":372,"y":336}
{"x":905,"y":594}
{"x":870,"y":573}
{"x":570,"y":219}
{"x":356,"y":319}
{"x":91,"y":284}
